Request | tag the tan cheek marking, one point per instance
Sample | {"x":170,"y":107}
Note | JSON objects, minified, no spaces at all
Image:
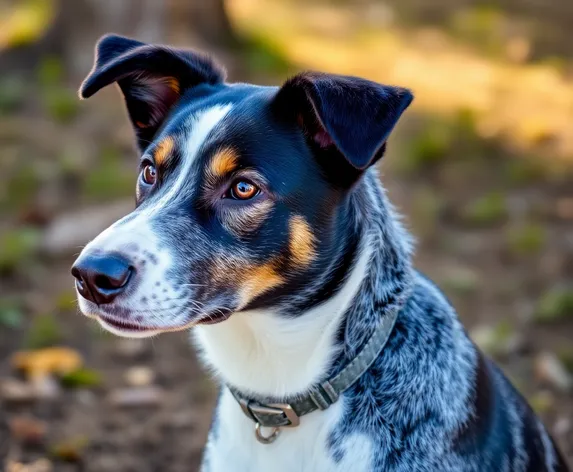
{"x":250,"y":280}
{"x":224,"y":162}
{"x":260,"y":279}
{"x":302,"y":241}
{"x":163,"y":150}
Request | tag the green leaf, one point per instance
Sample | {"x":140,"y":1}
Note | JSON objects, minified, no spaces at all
{"x":60,"y":103}
{"x":554,"y":305}
{"x":50,"y":72}
{"x":487,"y":209}
{"x":82,"y":378}
{"x":43,"y":332}
{"x":526,"y":240}
{"x":17,"y":246}
{"x":12,"y":94}
{"x":108,"y":181}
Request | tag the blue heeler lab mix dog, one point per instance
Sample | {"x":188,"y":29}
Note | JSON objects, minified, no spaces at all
{"x":260,"y":222}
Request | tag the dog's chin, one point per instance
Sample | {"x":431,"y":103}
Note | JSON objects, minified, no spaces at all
{"x":119,"y":321}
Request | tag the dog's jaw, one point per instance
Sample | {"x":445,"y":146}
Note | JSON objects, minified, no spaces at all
{"x":270,"y":355}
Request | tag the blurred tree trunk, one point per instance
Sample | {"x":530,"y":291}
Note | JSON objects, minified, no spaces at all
{"x":205,"y":19}
{"x":78,"y":24}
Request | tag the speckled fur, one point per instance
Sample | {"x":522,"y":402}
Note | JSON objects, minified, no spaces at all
{"x":415,"y":409}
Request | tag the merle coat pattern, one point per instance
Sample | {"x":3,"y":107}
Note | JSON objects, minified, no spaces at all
{"x":261,"y":224}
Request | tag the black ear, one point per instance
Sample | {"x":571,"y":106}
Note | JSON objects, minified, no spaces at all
{"x":152,"y":78}
{"x":352,"y":115}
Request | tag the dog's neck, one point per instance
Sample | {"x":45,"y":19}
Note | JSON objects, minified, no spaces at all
{"x":268,"y":354}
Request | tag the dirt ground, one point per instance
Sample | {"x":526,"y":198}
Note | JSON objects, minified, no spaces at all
{"x":494,"y":223}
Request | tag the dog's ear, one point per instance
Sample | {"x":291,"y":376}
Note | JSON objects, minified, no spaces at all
{"x":349,"y":115}
{"x":151,"y":77}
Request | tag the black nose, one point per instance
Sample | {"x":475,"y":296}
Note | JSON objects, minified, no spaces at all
{"x":101,"y":278}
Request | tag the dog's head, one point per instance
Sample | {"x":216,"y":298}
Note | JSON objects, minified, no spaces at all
{"x":238,"y":190}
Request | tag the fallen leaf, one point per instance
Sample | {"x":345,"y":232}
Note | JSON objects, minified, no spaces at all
{"x":42,"y":362}
{"x":81,"y":378}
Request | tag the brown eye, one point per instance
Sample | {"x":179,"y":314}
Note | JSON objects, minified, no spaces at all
{"x":243,"y":190}
{"x":149,"y":174}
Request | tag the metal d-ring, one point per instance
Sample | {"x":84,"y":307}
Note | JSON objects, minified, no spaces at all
{"x":266,"y":439}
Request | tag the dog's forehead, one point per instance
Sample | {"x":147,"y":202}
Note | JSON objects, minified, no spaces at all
{"x":224,"y":127}
{"x":199,"y":116}
{"x":246,"y":101}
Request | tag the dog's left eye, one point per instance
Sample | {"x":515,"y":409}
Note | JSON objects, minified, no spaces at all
{"x":243,"y":190}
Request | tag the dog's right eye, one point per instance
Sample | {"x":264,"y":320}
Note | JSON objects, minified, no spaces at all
{"x":149,"y":174}
{"x":243,"y":190}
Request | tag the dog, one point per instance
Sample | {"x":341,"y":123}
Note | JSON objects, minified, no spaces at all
{"x":260,"y":223}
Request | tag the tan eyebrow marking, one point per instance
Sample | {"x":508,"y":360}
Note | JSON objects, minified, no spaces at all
{"x":163,"y":150}
{"x":302,"y":241}
{"x":223,"y":162}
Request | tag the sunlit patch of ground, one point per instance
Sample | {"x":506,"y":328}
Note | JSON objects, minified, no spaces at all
{"x":529,"y":106}
{"x":24,"y":21}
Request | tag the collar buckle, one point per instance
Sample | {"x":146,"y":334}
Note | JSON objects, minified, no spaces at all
{"x":273,"y":415}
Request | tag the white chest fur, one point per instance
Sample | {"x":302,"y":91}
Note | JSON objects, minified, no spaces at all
{"x":234,"y":448}
{"x":272,"y":355}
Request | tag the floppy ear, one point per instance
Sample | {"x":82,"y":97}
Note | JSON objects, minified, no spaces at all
{"x":151,"y":77}
{"x":353,"y":116}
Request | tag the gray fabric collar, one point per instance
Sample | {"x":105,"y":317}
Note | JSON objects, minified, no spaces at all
{"x":277,"y":415}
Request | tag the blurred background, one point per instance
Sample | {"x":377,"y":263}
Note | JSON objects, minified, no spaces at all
{"x":481,"y":165}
